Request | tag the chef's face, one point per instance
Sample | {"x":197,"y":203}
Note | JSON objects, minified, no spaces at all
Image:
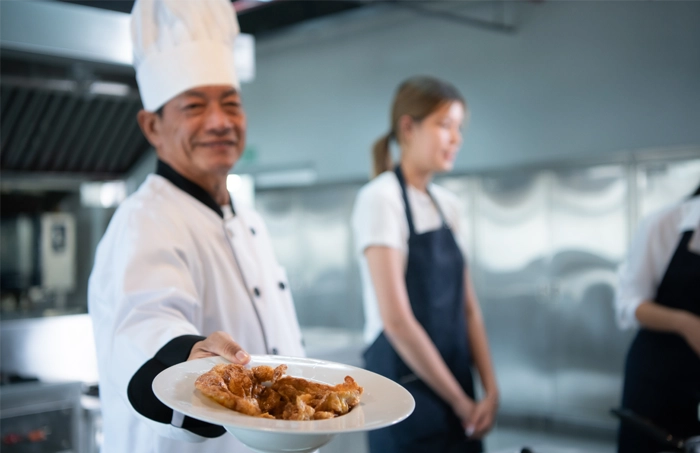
{"x":432,"y":144}
{"x":200,"y":133}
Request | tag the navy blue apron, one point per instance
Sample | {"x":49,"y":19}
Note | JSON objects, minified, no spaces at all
{"x":435,"y":284}
{"x":662,"y":372}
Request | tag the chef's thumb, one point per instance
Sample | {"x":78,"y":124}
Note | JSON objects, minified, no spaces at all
{"x":222,"y":344}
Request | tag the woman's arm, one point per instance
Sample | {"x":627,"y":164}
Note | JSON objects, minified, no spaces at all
{"x":657,"y":317}
{"x":486,"y":409}
{"x":477,"y":338}
{"x":405,"y":333}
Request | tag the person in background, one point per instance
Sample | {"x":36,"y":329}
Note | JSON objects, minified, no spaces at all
{"x":422,"y":314}
{"x":183,"y":270}
{"x":659,"y":292}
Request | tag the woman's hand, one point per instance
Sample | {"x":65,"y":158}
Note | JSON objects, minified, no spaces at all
{"x":483,"y":417}
{"x":464,"y":409}
{"x":690,"y":331}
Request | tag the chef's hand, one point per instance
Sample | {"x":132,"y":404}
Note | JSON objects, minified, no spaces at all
{"x":219,"y":344}
{"x":483,"y":417}
{"x":690,"y":330}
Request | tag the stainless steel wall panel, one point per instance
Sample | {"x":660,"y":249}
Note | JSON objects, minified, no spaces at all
{"x":59,"y":348}
{"x":310,"y":230}
{"x":662,"y":183}
{"x":511,"y":251}
{"x":588,"y":231}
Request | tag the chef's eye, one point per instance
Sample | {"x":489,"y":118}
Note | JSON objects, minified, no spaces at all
{"x":230,"y":101}
{"x":193,"y":106}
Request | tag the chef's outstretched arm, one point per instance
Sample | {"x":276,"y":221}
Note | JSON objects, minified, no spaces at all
{"x":180,"y":349}
{"x":146,"y":299}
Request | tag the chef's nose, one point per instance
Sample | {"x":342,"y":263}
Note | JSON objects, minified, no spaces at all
{"x":217,"y":119}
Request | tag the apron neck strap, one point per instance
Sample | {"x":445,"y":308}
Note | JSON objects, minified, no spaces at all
{"x":402,"y":183}
{"x":409,"y":214}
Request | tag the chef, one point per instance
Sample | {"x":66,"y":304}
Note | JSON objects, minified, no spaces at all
{"x":659,"y":291}
{"x":184,"y":270}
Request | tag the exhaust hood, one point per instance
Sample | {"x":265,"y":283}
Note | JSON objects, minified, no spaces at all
{"x":68,"y":94}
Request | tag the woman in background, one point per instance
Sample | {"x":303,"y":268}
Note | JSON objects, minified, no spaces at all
{"x":422,"y":314}
{"x":659,"y":291}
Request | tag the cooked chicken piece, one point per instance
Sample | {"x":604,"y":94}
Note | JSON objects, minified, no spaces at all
{"x":269,"y":400}
{"x":264,"y":373}
{"x":321,"y":415}
{"x":298,"y":411}
{"x":265,"y":392}
{"x":338,"y":399}
{"x":213,"y":385}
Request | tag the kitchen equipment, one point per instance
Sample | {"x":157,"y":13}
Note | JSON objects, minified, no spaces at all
{"x":38,"y":417}
{"x":37,"y":262}
{"x":676,"y":444}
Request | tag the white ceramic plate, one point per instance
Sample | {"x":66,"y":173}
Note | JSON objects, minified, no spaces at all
{"x":383,"y":403}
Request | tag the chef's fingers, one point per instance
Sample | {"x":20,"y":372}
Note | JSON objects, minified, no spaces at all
{"x":221,"y":344}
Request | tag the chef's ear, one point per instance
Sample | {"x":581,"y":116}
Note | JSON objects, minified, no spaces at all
{"x":150,"y":124}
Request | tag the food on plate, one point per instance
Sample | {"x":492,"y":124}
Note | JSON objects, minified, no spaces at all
{"x":263,"y":391}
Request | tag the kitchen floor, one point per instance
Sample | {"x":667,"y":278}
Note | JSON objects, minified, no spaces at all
{"x":501,"y":440}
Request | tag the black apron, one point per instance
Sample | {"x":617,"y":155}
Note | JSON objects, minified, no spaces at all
{"x":662,"y":372}
{"x":435,"y":284}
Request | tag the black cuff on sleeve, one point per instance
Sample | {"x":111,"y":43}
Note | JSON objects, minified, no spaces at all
{"x":145,"y":402}
{"x":177,"y":350}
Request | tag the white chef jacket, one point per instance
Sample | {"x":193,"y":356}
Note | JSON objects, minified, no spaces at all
{"x":379,"y":219}
{"x":650,"y":254}
{"x":170,"y":266}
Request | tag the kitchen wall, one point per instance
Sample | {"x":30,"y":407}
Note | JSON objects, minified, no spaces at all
{"x":574,"y":79}
{"x":544,"y":245}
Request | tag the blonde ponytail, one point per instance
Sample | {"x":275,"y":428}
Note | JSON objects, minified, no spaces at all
{"x":381,"y":157}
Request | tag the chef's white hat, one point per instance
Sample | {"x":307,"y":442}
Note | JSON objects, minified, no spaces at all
{"x":182,"y":44}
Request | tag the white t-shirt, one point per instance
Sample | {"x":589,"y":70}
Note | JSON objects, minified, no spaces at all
{"x":379,"y":219}
{"x":650,"y":254}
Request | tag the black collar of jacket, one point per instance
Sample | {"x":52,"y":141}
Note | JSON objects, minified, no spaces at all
{"x":189,"y":187}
